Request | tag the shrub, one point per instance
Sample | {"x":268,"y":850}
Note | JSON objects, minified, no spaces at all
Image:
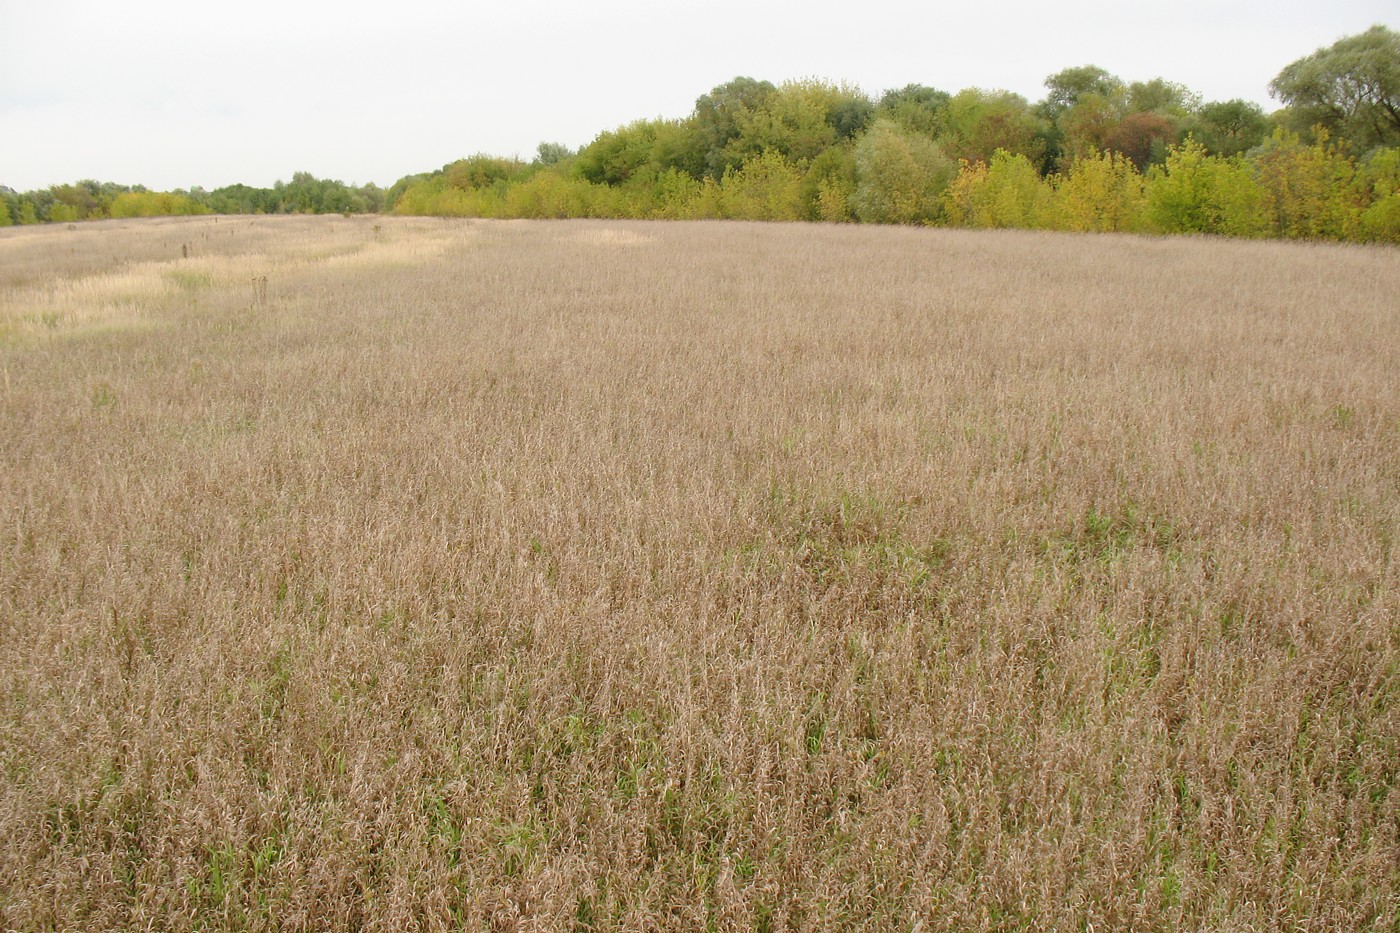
{"x":900,"y":176}
{"x":1009,"y":192}
{"x":1310,"y":190}
{"x":766,"y":187}
{"x":1378,"y":179}
{"x":1199,"y":193}
{"x":548,"y":195}
{"x":1102,"y":193}
{"x":155,"y":204}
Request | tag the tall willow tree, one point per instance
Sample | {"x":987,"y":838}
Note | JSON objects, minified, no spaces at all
{"x":1351,"y":88}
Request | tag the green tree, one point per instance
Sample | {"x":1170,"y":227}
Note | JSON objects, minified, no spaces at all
{"x":1086,"y":127}
{"x":41,"y":204}
{"x":916,"y":108}
{"x":242,"y":199}
{"x":552,"y":153}
{"x":1230,"y":127}
{"x":1068,"y":87}
{"x":307,"y":194}
{"x":978,"y":123}
{"x":829,"y":183}
{"x":679,"y":195}
{"x":1351,"y":88}
{"x":715,"y":122}
{"x":851,"y":115}
{"x":1164,"y":97}
{"x":397,"y":189}
{"x":1195,"y":192}
{"x":1379,"y":180}
{"x":1082,"y":105}
{"x":900,"y":176}
{"x":75,"y":202}
{"x":644,"y":149}
{"x":800,"y":120}
{"x":483,"y":171}
{"x":371,"y":194}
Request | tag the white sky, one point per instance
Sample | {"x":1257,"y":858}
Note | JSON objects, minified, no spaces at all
{"x":173,"y":93}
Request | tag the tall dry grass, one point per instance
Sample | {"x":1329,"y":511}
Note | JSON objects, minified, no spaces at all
{"x":395,"y":574}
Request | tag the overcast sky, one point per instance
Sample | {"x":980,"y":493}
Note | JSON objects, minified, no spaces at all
{"x":175,"y":94}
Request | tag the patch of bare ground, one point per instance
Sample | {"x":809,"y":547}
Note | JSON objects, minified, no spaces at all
{"x":413,"y":574}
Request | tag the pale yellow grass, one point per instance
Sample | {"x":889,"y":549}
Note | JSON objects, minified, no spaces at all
{"x":392,"y":574}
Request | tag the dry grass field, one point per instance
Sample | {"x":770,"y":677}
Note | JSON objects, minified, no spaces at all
{"x":398,"y":574}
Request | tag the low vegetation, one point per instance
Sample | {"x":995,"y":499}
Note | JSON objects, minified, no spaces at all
{"x":406,"y":573}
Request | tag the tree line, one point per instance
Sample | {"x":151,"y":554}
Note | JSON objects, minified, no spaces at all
{"x":1098,"y":153}
{"x":94,"y":200}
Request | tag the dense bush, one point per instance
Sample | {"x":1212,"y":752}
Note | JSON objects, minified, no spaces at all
{"x":155,"y":204}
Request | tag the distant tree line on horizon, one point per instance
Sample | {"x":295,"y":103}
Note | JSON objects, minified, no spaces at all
{"x":1096,"y":154}
{"x":94,"y":200}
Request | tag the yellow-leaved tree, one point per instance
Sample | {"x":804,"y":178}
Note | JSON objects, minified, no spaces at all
{"x":766,"y":187}
{"x":154,"y":204}
{"x":1100,"y":193}
{"x":1309,"y":188}
{"x":1008,"y":192}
